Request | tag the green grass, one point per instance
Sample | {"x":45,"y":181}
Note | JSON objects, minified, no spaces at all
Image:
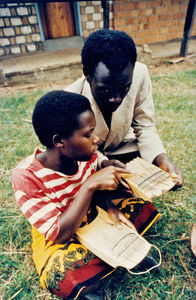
{"x":174,"y":98}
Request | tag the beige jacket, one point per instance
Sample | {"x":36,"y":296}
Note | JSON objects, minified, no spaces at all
{"x":132,"y":125}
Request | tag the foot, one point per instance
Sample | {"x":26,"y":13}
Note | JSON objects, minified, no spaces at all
{"x":95,"y":295}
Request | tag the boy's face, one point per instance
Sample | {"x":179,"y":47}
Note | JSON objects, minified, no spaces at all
{"x":83,"y":143}
{"x":109,"y":87}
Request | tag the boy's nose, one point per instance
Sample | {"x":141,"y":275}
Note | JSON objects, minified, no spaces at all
{"x":95,"y":139}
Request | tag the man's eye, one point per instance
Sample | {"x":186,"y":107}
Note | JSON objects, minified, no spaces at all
{"x":126,"y":89}
{"x":104,"y":91}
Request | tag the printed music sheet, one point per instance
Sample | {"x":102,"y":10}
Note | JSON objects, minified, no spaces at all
{"x":146,"y":180}
{"x":117,"y":247}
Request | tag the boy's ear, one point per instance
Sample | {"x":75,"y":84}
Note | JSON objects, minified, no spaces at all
{"x":57,"y":140}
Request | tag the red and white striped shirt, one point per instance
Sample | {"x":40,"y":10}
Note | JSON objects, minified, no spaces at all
{"x":43,"y":194}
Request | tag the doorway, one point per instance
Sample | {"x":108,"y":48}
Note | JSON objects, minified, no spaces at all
{"x":57,"y":19}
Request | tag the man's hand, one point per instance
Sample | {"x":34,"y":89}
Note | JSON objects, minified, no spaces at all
{"x":117,"y":217}
{"x":165,"y":163}
{"x":113,"y":162}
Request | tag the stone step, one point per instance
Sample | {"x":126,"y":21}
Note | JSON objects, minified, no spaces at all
{"x":44,"y":66}
{"x":66,"y":63}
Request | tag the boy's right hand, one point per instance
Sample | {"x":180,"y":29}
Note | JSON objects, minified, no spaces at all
{"x":106,"y":179}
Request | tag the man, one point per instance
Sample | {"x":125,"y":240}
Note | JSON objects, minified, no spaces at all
{"x":120,"y":92}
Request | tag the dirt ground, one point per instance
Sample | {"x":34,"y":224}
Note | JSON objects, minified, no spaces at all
{"x":158,"y":69}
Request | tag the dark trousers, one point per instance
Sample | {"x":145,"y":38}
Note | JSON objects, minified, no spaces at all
{"x":126,"y":157}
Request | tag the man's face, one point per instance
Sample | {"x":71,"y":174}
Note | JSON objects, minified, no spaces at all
{"x":110,"y":87}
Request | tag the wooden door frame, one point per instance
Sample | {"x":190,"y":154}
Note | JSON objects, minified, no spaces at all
{"x":77,"y":20}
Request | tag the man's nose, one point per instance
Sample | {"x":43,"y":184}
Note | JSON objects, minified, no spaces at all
{"x":116,"y":99}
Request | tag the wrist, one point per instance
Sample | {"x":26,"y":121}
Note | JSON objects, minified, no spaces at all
{"x":160,"y":158}
{"x":88,"y":186}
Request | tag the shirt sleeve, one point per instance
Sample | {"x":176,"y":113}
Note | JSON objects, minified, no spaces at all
{"x":35,"y":204}
{"x":143,"y":123}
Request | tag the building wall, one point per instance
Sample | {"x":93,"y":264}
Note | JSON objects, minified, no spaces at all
{"x":92,"y":16}
{"x":19,"y":30}
{"x":151,"y":21}
{"x":147,"y":21}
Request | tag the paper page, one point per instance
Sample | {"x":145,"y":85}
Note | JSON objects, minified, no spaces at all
{"x":117,"y":247}
{"x":146,"y":180}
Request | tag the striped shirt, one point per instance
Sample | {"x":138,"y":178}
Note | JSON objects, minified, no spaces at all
{"x":43,"y":194}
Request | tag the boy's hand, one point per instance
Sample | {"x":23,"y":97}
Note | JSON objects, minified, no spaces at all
{"x":113,"y":162}
{"x":165,"y":163}
{"x":106,"y":179}
{"x":118,"y":217}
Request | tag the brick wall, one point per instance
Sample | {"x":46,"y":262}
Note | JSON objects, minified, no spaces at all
{"x":19,"y":30}
{"x":147,"y":21}
{"x":151,"y":21}
{"x":92,"y":16}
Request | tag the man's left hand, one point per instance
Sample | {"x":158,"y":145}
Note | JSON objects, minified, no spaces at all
{"x":165,"y":163}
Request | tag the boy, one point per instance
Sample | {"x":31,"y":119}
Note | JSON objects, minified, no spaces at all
{"x":55,"y":187}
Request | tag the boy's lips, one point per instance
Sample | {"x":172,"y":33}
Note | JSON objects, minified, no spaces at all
{"x":95,"y":149}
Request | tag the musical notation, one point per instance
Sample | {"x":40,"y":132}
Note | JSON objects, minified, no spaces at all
{"x":117,"y":247}
{"x":147,"y":180}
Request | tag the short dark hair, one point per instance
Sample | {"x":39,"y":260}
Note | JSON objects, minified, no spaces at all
{"x":58,"y":112}
{"x":114,"y":48}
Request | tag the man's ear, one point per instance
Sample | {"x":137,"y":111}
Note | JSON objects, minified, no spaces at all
{"x":57,"y":140}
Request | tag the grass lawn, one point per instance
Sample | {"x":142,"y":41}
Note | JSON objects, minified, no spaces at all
{"x":174,"y":97}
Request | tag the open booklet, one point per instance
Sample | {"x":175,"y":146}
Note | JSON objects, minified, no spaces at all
{"x":117,"y":247}
{"x":146,"y":180}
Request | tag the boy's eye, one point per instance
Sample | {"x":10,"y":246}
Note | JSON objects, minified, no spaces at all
{"x":88,"y":135}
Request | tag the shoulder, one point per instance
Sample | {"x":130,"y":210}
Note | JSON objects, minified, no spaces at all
{"x":23,"y":166}
{"x":23,"y":179}
{"x":140,"y":76}
{"x":76,"y":86}
{"x":25,"y":171}
{"x":140,"y":69}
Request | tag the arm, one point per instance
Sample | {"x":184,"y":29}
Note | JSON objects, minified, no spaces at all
{"x":143,"y":123}
{"x":41,"y":211}
{"x":70,"y":220}
{"x":149,"y":143}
